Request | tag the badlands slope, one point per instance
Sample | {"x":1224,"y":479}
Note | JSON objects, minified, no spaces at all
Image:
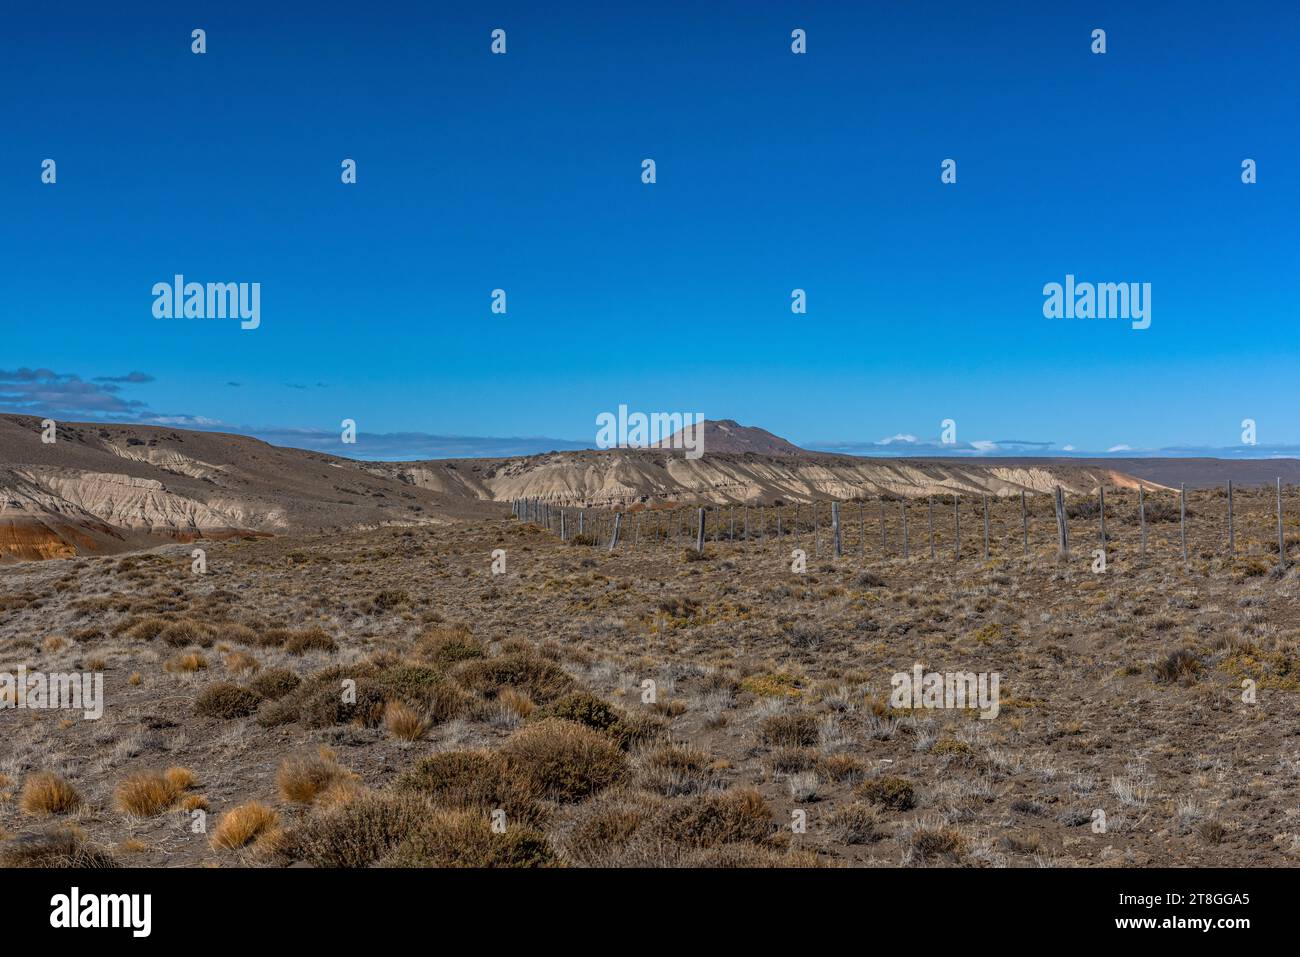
{"x":107,"y":488}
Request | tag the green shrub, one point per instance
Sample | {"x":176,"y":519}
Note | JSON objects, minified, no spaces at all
{"x":543,"y":681}
{"x":359,"y":832}
{"x":888,"y":791}
{"x":226,"y":700}
{"x":563,"y":761}
{"x":274,"y":683}
{"x":466,"y":839}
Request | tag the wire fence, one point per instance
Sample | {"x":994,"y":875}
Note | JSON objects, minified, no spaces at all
{"x":1232,"y":522}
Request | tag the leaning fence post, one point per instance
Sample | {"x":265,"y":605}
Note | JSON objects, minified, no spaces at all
{"x":1232,"y":535}
{"x":1062,"y":523}
{"x":618,"y":525}
{"x":1182,"y":517}
{"x":986,"y":526}
{"x":835,"y":521}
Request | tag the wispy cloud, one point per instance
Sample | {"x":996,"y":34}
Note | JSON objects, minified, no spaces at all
{"x":133,"y":378}
{"x":45,"y":392}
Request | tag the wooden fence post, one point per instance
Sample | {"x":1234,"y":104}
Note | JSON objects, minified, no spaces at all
{"x":1281,"y":537}
{"x":817,"y":531}
{"x":884,"y":542}
{"x":1101,"y":498}
{"x":1182,"y":518}
{"x":986,"y":526}
{"x":1024,"y":521}
{"x":1142,"y":516}
{"x":835,"y":520}
{"x":907,"y":548}
{"x":931,"y":509}
{"x":956,"y":520}
{"x":699,"y":533}
{"x":1232,"y":535}
{"x":618,"y":525}
{"x":563,"y":531}
{"x":1062,"y":523}
{"x":862,"y":528}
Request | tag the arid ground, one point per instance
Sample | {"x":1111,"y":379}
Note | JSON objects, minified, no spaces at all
{"x":507,"y":719}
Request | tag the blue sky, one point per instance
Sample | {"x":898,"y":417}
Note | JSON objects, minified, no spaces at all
{"x":775,"y":172}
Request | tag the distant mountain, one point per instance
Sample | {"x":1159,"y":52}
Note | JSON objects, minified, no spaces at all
{"x":728,"y":435}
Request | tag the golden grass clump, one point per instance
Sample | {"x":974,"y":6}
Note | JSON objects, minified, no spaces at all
{"x":239,"y":661}
{"x":186,"y":663}
{"x":404,"y":722}
{"x":243,"y":825}
{"x":302,"y":778}
{"x":150,"y":793}
{"x":182,"y":779}
{"x":45,"y":793}
{"x":516,"y":702}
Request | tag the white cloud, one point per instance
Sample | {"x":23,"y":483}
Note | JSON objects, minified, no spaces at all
{"x":983,"y":445}
{"x":900,"y":437}
{"x":1120,"y":448}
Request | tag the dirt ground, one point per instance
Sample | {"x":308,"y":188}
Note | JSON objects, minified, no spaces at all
{"x":649,"y":707}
